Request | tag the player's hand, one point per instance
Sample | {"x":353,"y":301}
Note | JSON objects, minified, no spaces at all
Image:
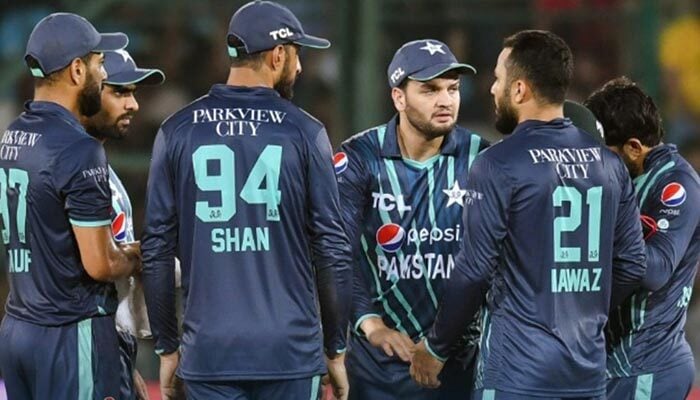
{"x":394,"y":343}
{"x":133,"y":251}
{"x":140,"y":386}
{"x":338,"y":377}
{"x":169,"y":384}
{"x":425,"y":368}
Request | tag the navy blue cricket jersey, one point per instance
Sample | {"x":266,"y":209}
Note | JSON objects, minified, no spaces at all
{"x":52,"y":175}
{"x":242,"y":190}
{"x":646,"y":332}
{"x":550,"y":224}
{"x":404,"y":221}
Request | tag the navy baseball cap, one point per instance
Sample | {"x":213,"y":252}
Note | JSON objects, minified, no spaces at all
{"x":423,"y":60}
{"x":60,"y":38}
{"x":262,"y":25}
{"x":122,"y":70}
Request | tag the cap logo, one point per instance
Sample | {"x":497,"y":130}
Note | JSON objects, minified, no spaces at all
{"x":125,"y":55}
{"x":433,"y":48}
{"x":397,"y":74}
{"x":281,"y":33}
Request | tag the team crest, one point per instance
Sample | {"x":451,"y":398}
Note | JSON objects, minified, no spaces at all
{"x":673,"y":195}
{"x":340,"y":162}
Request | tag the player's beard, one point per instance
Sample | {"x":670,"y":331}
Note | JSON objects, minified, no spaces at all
{"x":285,"y":86}
{"x":90,"y":96}
{"x":101,"y":129}
{"x":506,"y":116}
{"x":423,"y":124}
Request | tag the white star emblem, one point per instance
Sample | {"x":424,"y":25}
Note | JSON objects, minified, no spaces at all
{"x":125,"y":55}
{"x":455,"y":195}
{"x":433,"y":48}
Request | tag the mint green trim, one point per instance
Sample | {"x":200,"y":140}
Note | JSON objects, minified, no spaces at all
{"x":362,"y":319}
{"x":159,"y":351}
{"x":624,"y":353}
{"x":315,"y":382}
{"x":473,"y":150}
{"x":381,"y":133}
{"x":645,"y":383}
{"x":341,"y":351}
{"x":135,"y":81}
{"x":432,"y":353}
{"x":380,"y":294}
{"x":442,"y":71}
{"x":421,"y":164}
{"x":86,"y":385}
{"x":90,"y":224}
{"x":394,"y":180}
{"x":450,"y":170}
{"x":37,"y":72}
{"x":489,"y":394}
{"x":320,"y":47}
{"x":101,"y":310}
{"x":431,"y":197}
{"x":431,"y":292}
{"x":652,"y":181}
{"x":639,"y":182}
{"x":232,"y":52}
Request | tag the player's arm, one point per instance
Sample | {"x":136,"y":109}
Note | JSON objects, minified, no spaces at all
{"x":629,"y":259}
{"x":665,"y":247}
{"x":103,"y":259}
{"x":329,"y":245}
{"x":158,"y":247}
{"x":81,"y":175}
{"x":484,"y":219}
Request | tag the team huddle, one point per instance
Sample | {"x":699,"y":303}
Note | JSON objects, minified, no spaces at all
{"x":416,"y":262}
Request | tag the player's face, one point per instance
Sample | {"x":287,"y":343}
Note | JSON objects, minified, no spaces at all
{"x":89,"y":98}
{"x":432,"y":107}
{"x":506,"y":115}
{"x":118,"y":108}
{"x":292,"y":68}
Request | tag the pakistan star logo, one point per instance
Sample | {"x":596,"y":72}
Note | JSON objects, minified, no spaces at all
{"x":432,"y":48}
{"x":455,"y":195}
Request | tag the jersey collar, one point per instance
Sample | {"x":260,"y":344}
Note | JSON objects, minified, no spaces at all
{"x":55,"y":109}
{"x":390,"y":146}
{"x":224,"y":90}
{"x":659,"y":154}
{"x":557,"y":123}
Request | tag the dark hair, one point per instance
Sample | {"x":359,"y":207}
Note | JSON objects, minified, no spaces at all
{"x":544,"y":60}
{"x":626,"y":112}
{"x":53,"y":77}
{"x":245,"y":59}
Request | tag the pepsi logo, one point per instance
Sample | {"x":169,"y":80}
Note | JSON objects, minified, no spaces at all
{"x":340,"y":162}
{"x":673,"y":195}
{"x":390,"y":237}
{"x":119,"y":227}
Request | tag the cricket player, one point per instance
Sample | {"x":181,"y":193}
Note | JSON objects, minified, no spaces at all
{"x":648,"y":355}
{"x":552,"y":226}
{"x":58,"y":337}
{"x":242,"y":190}
{"x":402,"y":194}
{"x":119,"y":106}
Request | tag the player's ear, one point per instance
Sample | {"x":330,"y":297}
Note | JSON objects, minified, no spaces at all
{"x":399,"y":98}
{"x":77,"y":71}
{"x":279,"y":58}
{"x":520,"y":91}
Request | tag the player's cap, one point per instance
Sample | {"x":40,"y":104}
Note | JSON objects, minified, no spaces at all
{"x":584,"y":119}
{"x":423,"y":60}
{"x":122,"y":70}
{"x":262,"y":25}
{"x":60,"y":38}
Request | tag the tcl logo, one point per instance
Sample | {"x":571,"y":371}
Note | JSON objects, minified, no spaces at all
{"x":281,"y":34}
{"x":387,"y":202}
